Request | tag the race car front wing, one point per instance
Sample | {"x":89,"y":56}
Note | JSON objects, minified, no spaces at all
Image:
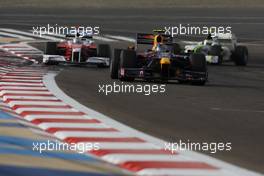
{"x":104,"y":61}
{"x":145,"y":73}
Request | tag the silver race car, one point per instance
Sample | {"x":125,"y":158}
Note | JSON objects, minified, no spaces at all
{"x":220,"y":48}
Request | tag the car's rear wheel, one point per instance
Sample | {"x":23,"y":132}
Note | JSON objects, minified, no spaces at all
{"x":127,"y":60}
{"x":104,"y":50}
{"x":115,"y":62}
{"x":216,"y":50}
{"x":240,"y":55}
{"x":51,"y":49}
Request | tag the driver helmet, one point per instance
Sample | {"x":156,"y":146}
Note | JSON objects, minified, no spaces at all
{"x":77,"y":40}
{"x":208,"y":42}
{"x":161,"y":48}
{"x":215,"y":42}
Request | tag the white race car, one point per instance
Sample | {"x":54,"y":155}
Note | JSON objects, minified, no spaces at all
{"x":220,"y":48}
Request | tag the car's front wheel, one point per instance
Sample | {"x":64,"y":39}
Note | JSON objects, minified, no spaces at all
{"x":198,"y":64}
{"x":240,"y":56}
{"x":216,"y":50}
{"x":127,"y":60}
{"x":114,"y":64}
{"x":104,"y":50}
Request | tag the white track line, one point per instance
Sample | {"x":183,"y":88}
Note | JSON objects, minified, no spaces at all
{"x":120,"y":158}
{"x":28,"y":34}
{"x":29,"y":97}
{"x":127,"y":145}
{"x":3,"y":92}
{"x":22,"y":50}
{"x":14,"y":103}
{"x":21,"y":110}
{"x":65,"y":134}
{"x":35,"y":117}
{"x":20,"y":80}
{"x":53,"y":36}
{"x":184,"y":172}
{"x":128,"y":39}
{"x":16,"y":36}
{"x":71,"y":125}
{"x":97,"y":37}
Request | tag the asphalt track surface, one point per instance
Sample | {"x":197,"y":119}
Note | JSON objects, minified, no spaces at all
{"x":230,"y":108}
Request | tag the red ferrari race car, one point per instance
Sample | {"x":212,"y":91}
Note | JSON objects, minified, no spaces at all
{"x":77,"y":50}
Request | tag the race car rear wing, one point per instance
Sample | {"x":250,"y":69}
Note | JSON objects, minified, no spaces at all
{"x":70,"y":35}
{"x":87,"y":37}
{"x":148,"y":39}
{"x":73,"y":36}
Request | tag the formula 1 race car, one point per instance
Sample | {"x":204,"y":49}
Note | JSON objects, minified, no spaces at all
{"x":220,"y":48}
{"x":164,"y":61}
{"x":77,"y":50}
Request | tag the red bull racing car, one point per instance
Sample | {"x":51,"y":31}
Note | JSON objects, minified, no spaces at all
{"x":77,"y":50}
{"x":163,"y":61}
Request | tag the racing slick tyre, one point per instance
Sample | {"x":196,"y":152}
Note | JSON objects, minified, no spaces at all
{"x":198,"y":64}
{"x":115,"y":62}
{"x":103,"y":50}
{"x":51,"y":48}
{"x":176,"y":48}
{"x":127,"y":60}
{"x":216,"y":50}
{"x":240,"y":55}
